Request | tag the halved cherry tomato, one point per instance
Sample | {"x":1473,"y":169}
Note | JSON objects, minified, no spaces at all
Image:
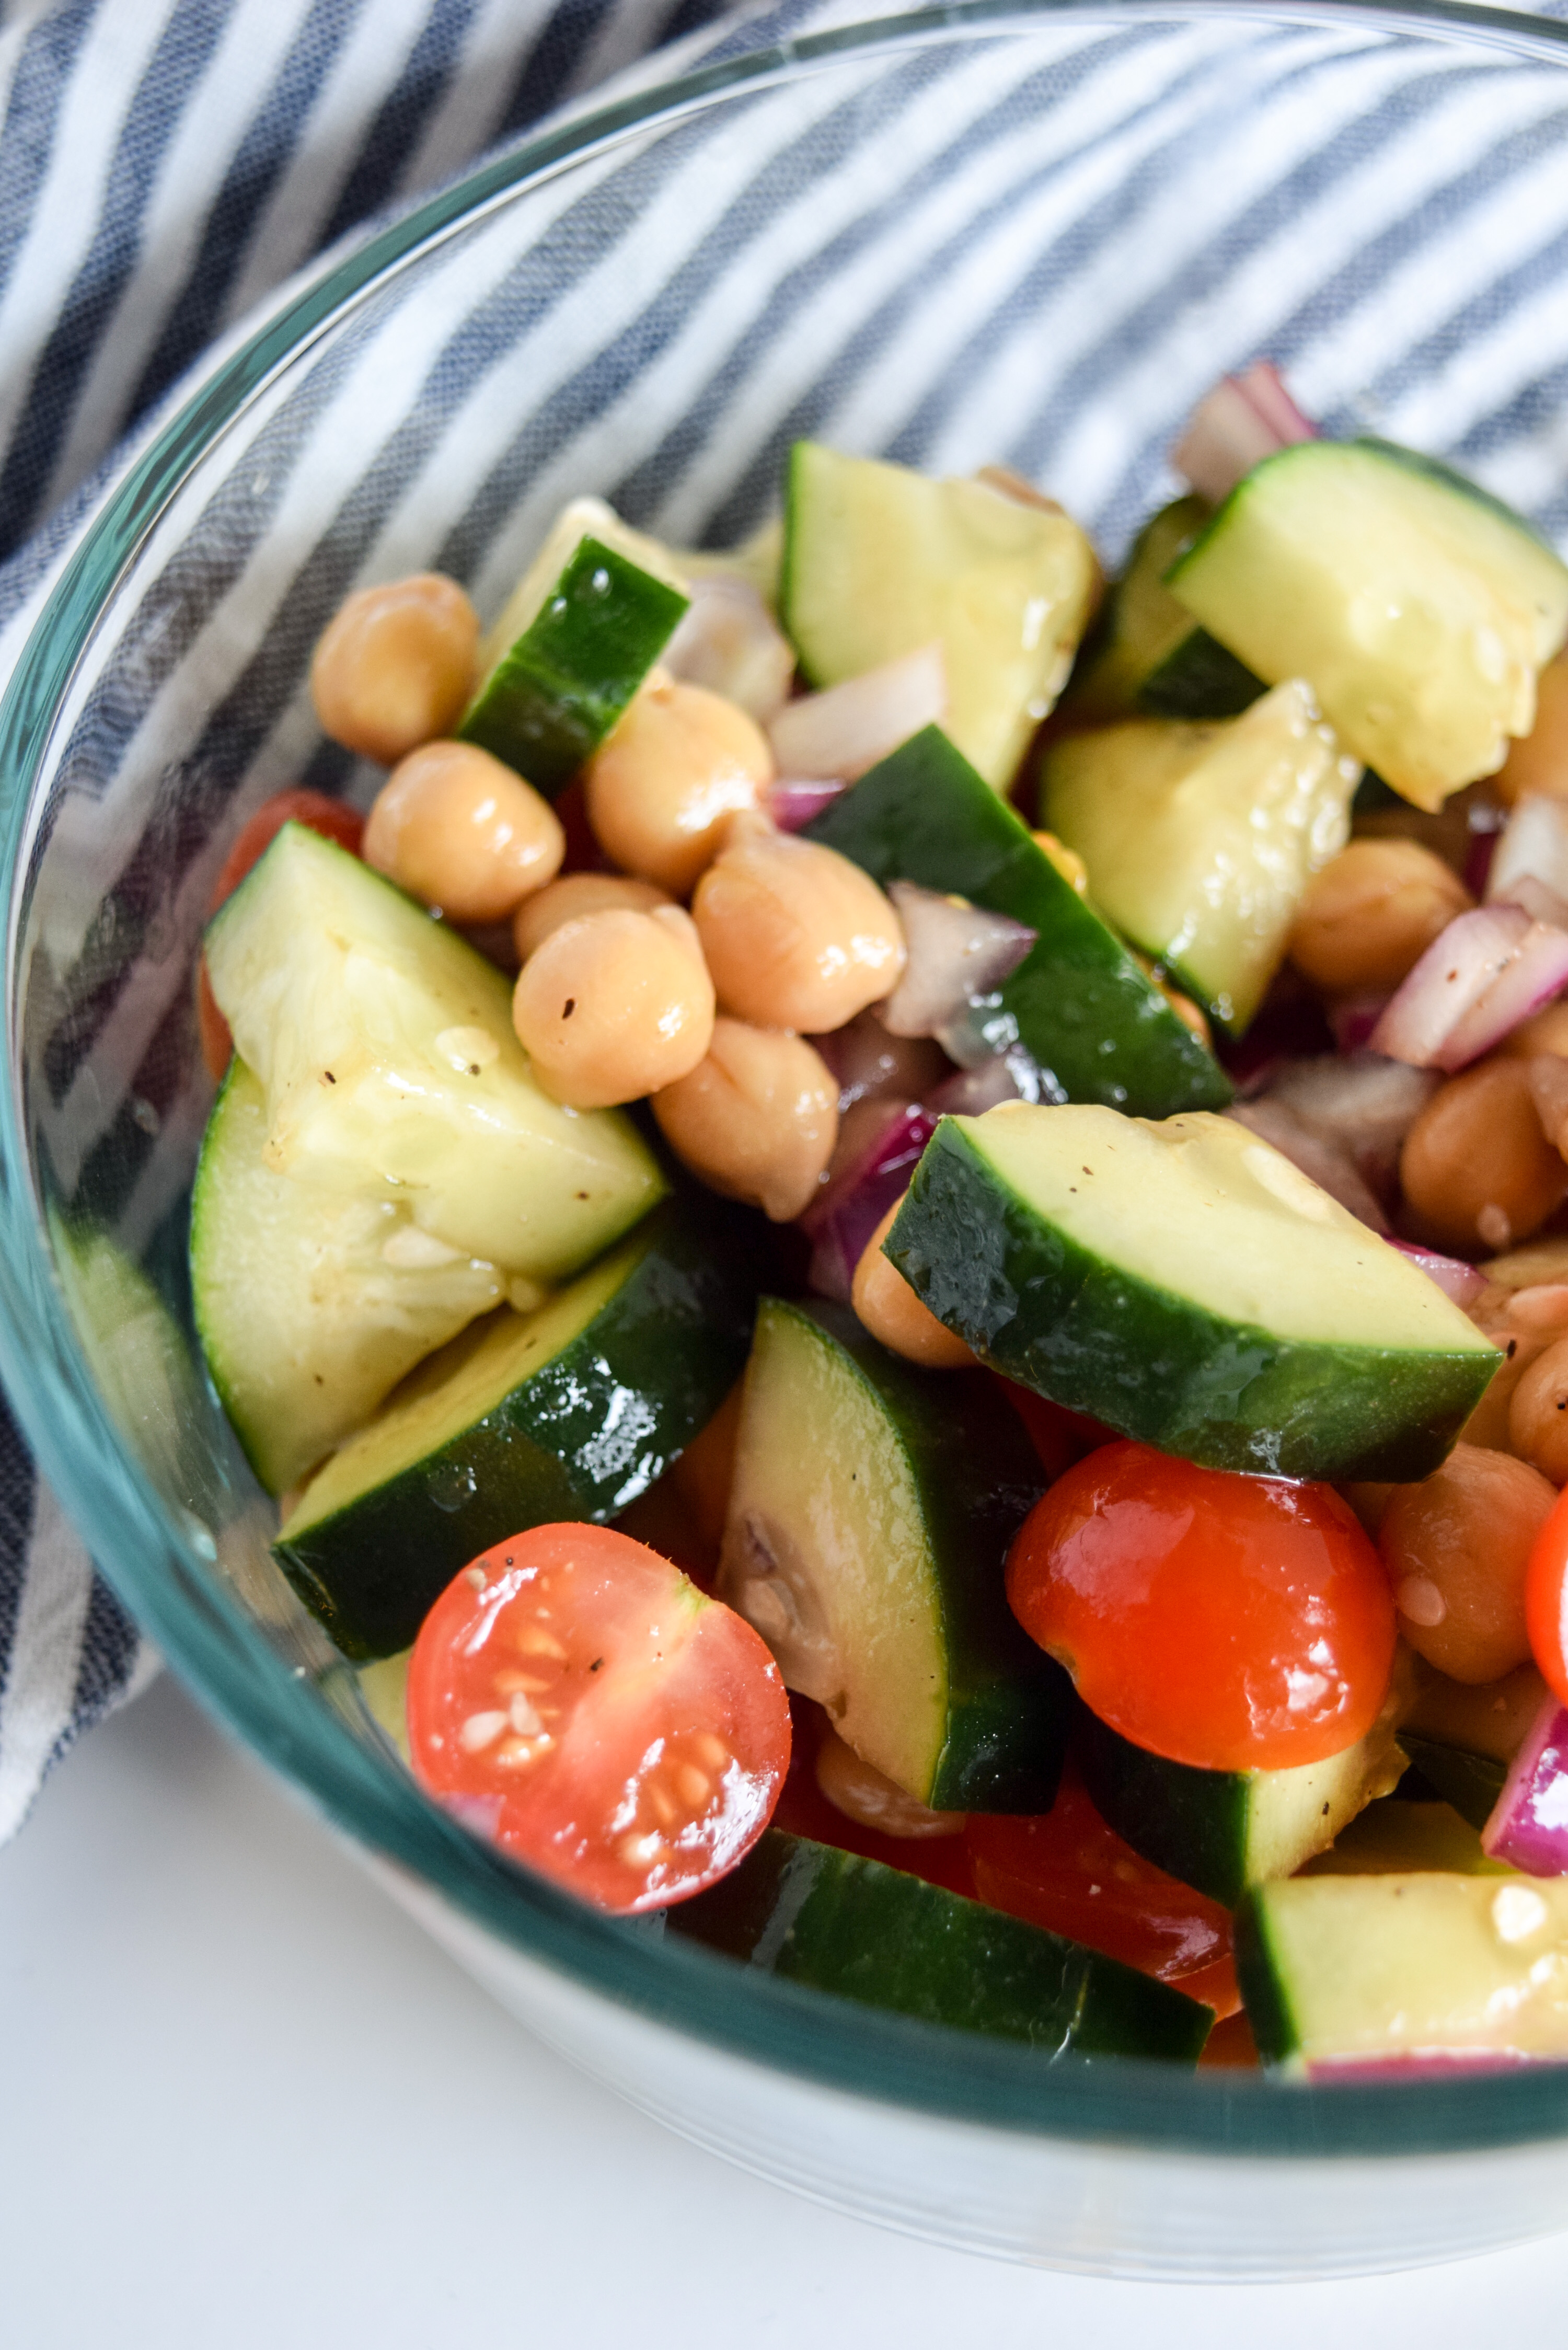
{"x":1234,"y":1623}
{"x":574,"y":1697}
{"x":1070,"y":1872}
{"x":333,"y":820}
{"x":1546,"y":1599}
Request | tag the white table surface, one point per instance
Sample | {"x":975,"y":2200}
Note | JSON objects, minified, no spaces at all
{"x":246,"y":2105}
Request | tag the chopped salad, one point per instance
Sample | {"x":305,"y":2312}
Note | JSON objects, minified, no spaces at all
{"x":894,"y":1235}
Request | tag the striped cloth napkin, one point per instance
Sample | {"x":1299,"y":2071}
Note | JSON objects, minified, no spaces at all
{"x":165,"y":165}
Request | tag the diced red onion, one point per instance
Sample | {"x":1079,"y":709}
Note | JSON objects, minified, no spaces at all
{"x":1243,"y":420}
{"x":1536,"y":973}
{"x":879,"y":1145}
{"x":795,"y":801}
{"x":1421,"y":2064}
{"x":1325,"y":1164}
{"x":1353,"y":1019}
{"x":843,"y":731}
{"x":728,"y":640}
{"x":1533,"y":844}
{"x":1361,"y":1103}
{"x":970,"y":1093}
{"x":1529,"y":1825}
{"x":1457,"y":970}
{"x":1456,"y":1279}
{"x":957,"y":954}
{"x":1541,"y":903}
{"x":871,"y":1065}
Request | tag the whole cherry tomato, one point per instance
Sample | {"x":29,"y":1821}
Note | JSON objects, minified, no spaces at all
{"x":1546,"y":1599}
{"x":574,"y":1697}
{"x":1234,"y":1623}
{"x":333,"y":820}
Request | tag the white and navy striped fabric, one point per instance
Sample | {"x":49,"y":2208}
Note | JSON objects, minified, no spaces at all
{"x":1039,"y":254}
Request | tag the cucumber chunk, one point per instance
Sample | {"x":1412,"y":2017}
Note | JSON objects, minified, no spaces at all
{"x":1201,"y":839}
{"x":869,"y":1518}
{"x":1188,"y":1285}
{"x":1078,"y":1002}
{"x":569,"y":1412}
{"x":1417,"y":607}
{"x":1225,"y":1830}
{"x":597,"y":624}
{"x":1405,"y":1968}
{"x":879,"y":561}
{"x":391,"y":1069}
{"x":310,"y":1303}
{"x":1148,"y":653}
{"x":1394,"y":1835}
{"x":814,"y":1914}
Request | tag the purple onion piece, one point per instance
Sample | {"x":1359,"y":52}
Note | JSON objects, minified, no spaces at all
{"x":864,"y":1184}
{"x":871,"y":1065}
{"x":795,"y":801}
{"x":1448,"y":982}
{"x":1536,"y":971}
{"x":1531,"y":847}
{"x":848,"y":728}
{"x":957,"y":954}
{"x":1421,"y":2064}
{"x":1529,"y":1825}
{"x":1243,"y":420}
{"x":728,"y":640}
{"x":971,"y":1092}
{"x":1353,"y":1020}
{"x":1461,"y":1282}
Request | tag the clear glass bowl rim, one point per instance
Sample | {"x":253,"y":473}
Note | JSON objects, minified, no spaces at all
{"x":159,"y":1571}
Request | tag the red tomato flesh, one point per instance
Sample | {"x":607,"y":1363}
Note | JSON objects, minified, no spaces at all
{"x":1546,"y":1599}
{"x":1071,"y":1873}
{"x":332,"y":820}
{"x":1233,"y":1623}
{"x":1059,"y":1435}
{"x":575,"y":1698}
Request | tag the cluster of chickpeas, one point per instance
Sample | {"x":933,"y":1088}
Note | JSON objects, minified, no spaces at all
{"x":1481,"y":1169}
{"x":624,"y":992}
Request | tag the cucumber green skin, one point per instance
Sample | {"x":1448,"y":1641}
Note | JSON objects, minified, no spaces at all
{"x":1145,"y":652}
{"x":1472,"y":1782}
{"x":1078,"y":1002}
{"x":664,"y":1351}
{"x":1200,"y":680}
{"x":817,"y":1916}
{"x":1157,"y":1365}
{"x":551,"y":700}
{"x":1195,"y":1824}
{"x":978,"y":1475}
{"x":1261,"y":1982}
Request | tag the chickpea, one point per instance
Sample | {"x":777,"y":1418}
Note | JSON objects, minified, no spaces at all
{"x":660,"y":789}
{"x":395,"y":665}
{"x":864,"y":1794}
{"x":1476,"y":1170}
{"x":1538,"y":1414}
{"x":614,"y":1005}
{"x":453,"y":827}
{"x":892,"y":1313}
{"x":795,"y":935}
{"x":757,"y":1120}
{"x":1371,"y":913}
{"x":1539,"y":762}
{"x":1455,"y":1547}
{"x":1543,"y":1032}
{"x":573,"y":895}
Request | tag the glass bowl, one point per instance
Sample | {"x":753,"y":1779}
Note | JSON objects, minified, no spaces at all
{"x":1030,"y":235}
